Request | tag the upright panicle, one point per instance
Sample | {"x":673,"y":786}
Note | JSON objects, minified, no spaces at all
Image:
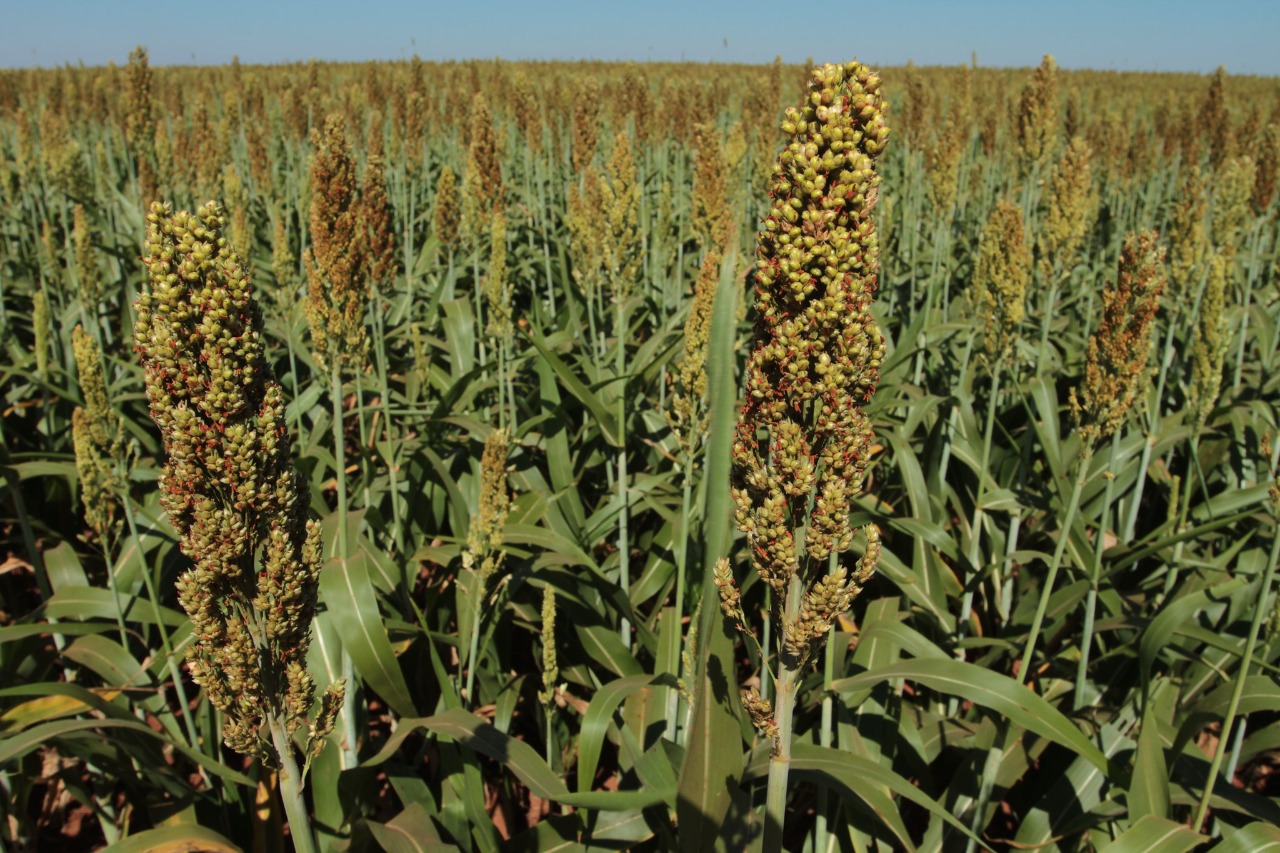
{"x":803,"y":438}
{"x":1116,"y":363}
{"x":229,"y":486}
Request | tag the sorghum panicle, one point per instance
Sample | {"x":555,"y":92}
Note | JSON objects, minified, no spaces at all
{"x":1116,"y":360}
{"x":1038,"y":121}
{"x":446,"y":217}
{"x":376,"y":223}
{"x":1232,"y":191}
{"x":623,"y":246}
{"x":88,"y":278}
{"x":484,"y":538}
{"x":228,"y":485}
{"x":482,"y":180}
{"x":1267,"y":176}
{"x":688,"y":415}
{"x":586,"y":124}
{"x":710,"y":194}
{"x":1071,"y":205}
{"x":1189,"y":242}
{"x":550,"y":665}
{"x":96,"y":434}
{"x":337,"y":279}
{"x":1209,"y":343}
{"x":803,"y":439}
{"x":1000,"y":279}
{"x":495,"y":281}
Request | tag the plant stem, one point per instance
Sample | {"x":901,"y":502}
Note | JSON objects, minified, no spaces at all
{"x":775,"y":810}
{"x":291,"y":784}
{"x":624,"y":563}
{"x":347,"y":713}
{"x":1042,"y":607}
{"x":1260,"y":611}
{"x":1183,"y":508}
{"x":975,"y":527}
{"x":1095,"y":571}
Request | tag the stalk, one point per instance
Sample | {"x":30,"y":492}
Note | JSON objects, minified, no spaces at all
{"x":1095,"y":571}
{"x":975,"y":527}
{"x":1259,"y":613}
{"x":1184,"y":506}
{"x":789,"y":672}
{"x":624,"y":562}
{"x":812,"y":370}
{"x":682,"y":559}
{"x":1054,"y":564}
{"x":291,"y":785}
{"x":342,"y":552}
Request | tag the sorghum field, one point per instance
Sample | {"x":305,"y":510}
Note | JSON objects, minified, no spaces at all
{"x":655,"y":457}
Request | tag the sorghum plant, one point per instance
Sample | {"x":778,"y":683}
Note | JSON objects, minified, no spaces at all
{"x":1037,"y":121}
{"x":231,"y":492}
{"x":1115,"y":370}
{"x":97,"y":434}
{"x":483,"y":555}
{"x":1000,"y":279}
{"x":803,"y":439}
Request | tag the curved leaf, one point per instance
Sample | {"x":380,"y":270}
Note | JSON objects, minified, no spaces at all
{"x":353,"y":605}
{"x":595,"y":722}
{"x":174,"y":839}
{"x":990,"y":690}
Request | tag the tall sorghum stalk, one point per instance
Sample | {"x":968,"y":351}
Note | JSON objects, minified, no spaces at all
{"x":483,"y":555}
{"x":1115,"y":367}
{"x":97,"y":433}
{"x":689,"y":418}
{"x":1070,"y":208}
{"x":1114,"y":373}
{"x":1260,"y":611}
{"x":1001,"y":276}
{"x":803,"y":439}
{"x":498,"y":300}
{"x":606,"y":248}
{"x":482,"y":193}
{"x":337,"y":264}
{"x":1209,"y":343}
{"x":231,"y":492}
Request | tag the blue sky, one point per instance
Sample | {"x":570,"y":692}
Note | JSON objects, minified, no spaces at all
{"x":1175,"y":35}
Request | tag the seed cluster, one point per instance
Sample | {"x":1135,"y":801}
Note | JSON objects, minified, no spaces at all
{"x":229,"y":486}
{"x":1000,"y":279}
{"x":803,"y":439}
{"x":1116,"y":364}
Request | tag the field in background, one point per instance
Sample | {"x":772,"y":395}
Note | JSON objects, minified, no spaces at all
{"x":551,"y":227}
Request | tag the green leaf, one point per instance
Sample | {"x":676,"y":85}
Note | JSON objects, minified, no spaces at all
{"x":595,"y":722}
{"x":1175,"y":615}
{"x":989,"y":689}
{"x":1254,"y":838}
{"x":86,"y":602}
{"x":411,"y":831}
{"x":1149,"y":787}
{"x":352,"y":603}
{"x":600,"y":414}
{"x":474,"y":733}
{"x":605,"y":647}
{"x":22,"y":743}
{"x":862,"y":778}
{"x":714,"y":757}
{"x":174,"y":839}
{"x":1153,"y":834}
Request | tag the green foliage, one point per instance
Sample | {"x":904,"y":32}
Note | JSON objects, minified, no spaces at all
{"x":920,"y":727}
